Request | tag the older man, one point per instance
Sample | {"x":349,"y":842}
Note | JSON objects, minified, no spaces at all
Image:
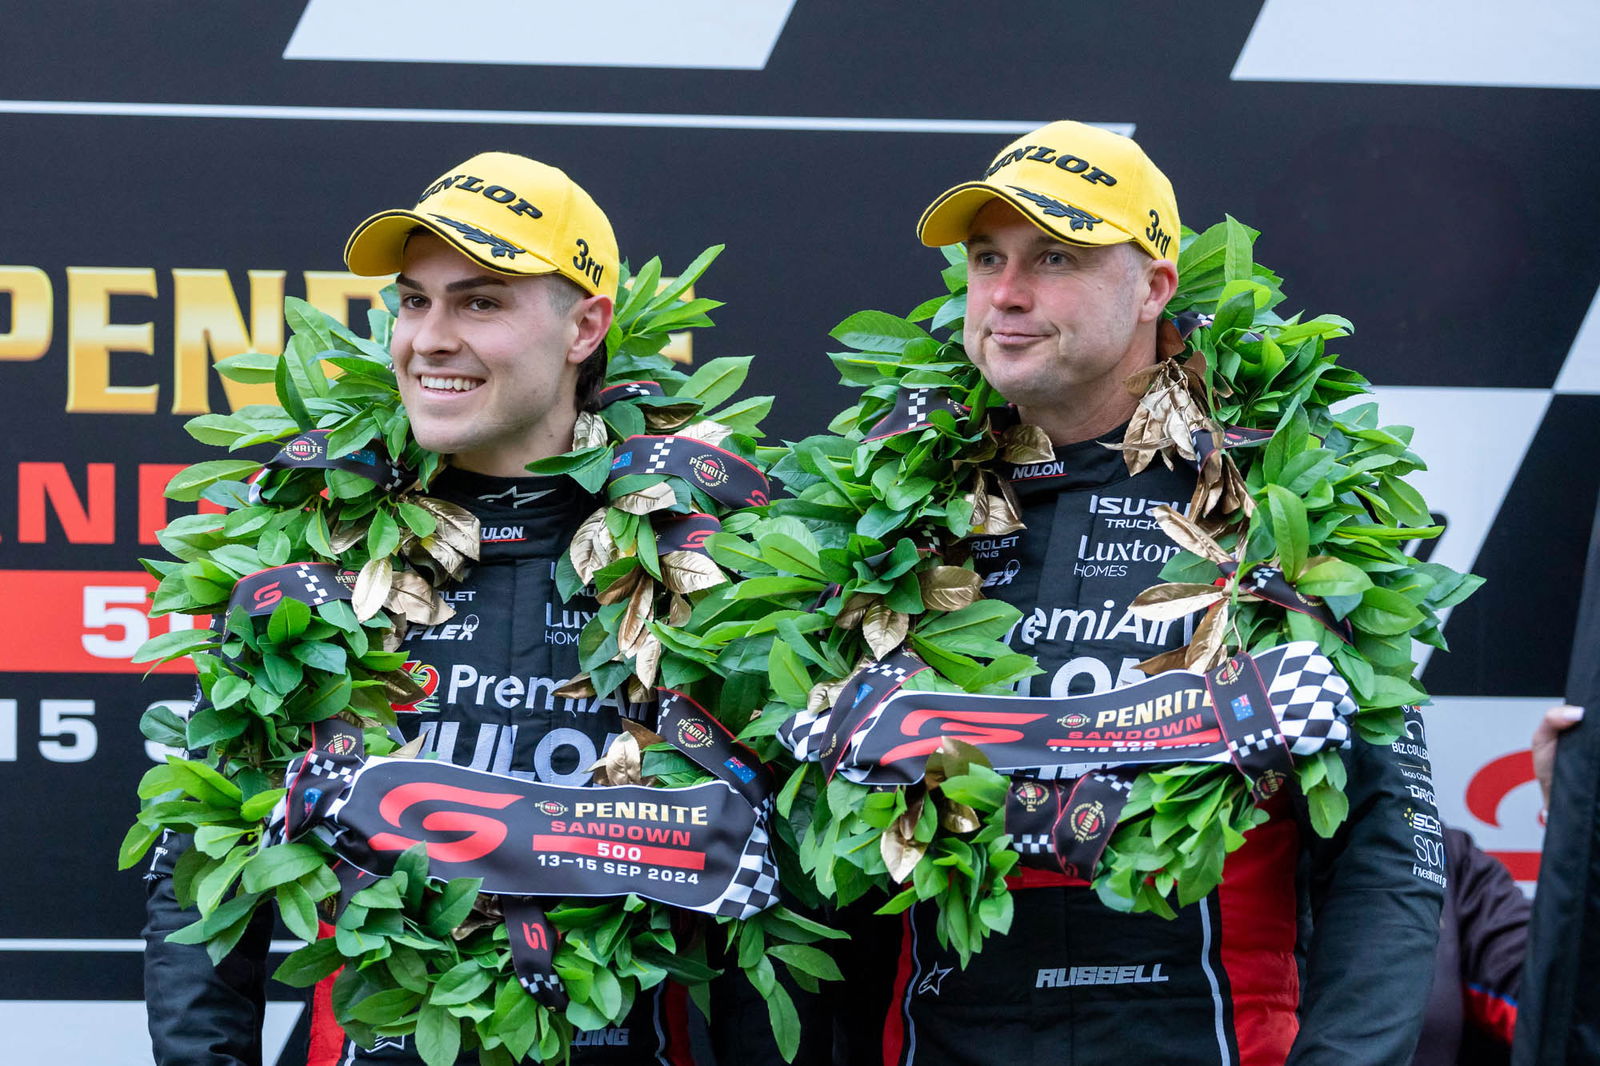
{"x":1313,"y":950}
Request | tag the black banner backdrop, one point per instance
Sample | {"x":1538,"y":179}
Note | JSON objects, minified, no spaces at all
{"x":172,"y":171}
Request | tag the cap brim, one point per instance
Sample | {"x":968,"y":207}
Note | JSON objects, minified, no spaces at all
{"x":378,"y":246}
{"x":948,"y":220}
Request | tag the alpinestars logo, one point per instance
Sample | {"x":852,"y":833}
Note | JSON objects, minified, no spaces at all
{"x":933,"y":982}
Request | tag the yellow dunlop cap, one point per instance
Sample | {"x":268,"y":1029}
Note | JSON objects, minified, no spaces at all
{"x":510,"y":213}
{"x":1082,"y":184}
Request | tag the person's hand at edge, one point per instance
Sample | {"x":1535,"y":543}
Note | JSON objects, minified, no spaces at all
{"x":1556,"y":720}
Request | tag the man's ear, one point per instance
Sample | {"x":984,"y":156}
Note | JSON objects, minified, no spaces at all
{"x":1162,"y":277}
{"x":592,"y":315}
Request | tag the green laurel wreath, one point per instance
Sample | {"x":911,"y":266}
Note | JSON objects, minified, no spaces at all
{"x":1327,"y":501}
{"x":421,"y":958}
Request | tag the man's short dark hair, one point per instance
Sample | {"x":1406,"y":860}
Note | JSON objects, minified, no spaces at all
{"x":564,"y":296}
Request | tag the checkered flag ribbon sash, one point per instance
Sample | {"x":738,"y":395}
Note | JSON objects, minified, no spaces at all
{"x":825,"y":736}
{"x":913,"y":409}
{"x":725,"y":477}
{"x":310,"y":450}
{"x":1253,"y":711}
{"x":629,"y":390}
{"x":313,"y":584}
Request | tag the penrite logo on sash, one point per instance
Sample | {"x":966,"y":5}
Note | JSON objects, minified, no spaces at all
{"x":310,"y":449}
{"x":723,"y":476}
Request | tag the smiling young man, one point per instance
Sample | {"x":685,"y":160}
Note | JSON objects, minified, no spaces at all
{"x":1313,"y":950}
{"x":507,"y":272}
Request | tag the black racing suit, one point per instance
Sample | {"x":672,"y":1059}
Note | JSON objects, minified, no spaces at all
{"x":490,"y":673}
{"x":1322,"y":945}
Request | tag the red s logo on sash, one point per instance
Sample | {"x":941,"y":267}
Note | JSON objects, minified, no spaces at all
{"x":484,"y":832}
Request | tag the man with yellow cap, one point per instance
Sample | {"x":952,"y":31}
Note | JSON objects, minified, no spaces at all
{"x":1312,"y":950}
{"x":507,"y":271}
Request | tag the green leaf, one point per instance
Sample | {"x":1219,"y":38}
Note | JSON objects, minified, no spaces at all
{"x":249,"y":368}
{"x":1333,"y":577}
{"x":135,"y":843}
{"x":814,"y":961}
{"x":716,"y":380}
{"x":173,"y":645}
{"x":279,"y":864}
{"x":287,"y":621}
{"x":1288,"y":515}
{"x":877,"y":331}
{"x":310,"y":964}
{"x":785,"y":1022}
{"x":386,"y":1007}
{"x":1385,"y":612}
{"x":791,"y":682}
{"x":460,"y":984}
{"x":298,"y":912}
{"x":786,"y":553}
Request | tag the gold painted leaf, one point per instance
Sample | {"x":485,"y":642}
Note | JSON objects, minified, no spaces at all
{"x":372,"y":587}
{"x":670,"y":416}
{"x":457,"y":526}
{"x":900,"y":848}
{"x":411,"y":749}
{"x":949,"y":588}
{"x":637,"y":692}
{"x":709,"y":432}
{"x":1208,"y":647}
{"x":655,"y":497}
{"x":885,"y":629}
{"x":855,"y":609}
{"x":347,"y":535}
{"x":954,"y":758}
{"x":980,"y":508}
{"x":1163,"y":602}
{"x":647,"y":663}
{"x":411,"y":595}
{"x":400,"y":689}
{"x":593,"y":546}
{"x":390,"y":639}
{"x":1024,"y":443}
{"x":621,"y":588}
{"x":956,"y":817}
{"x":823,"y":695}
{"x":686,"y":571}
{"x":642,"y":733}
{"x":1189,"y":535}
{"x":1176,"y":659}
{"x":636,"y":618}
{"x":579,"y":688}
{"x":678,"y":611}
{"x":589,"y":431}
{"x":620,"y":765}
